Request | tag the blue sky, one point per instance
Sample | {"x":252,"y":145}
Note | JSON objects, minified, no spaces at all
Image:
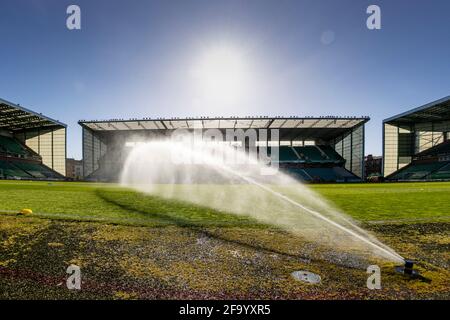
{"x":302,"y":57}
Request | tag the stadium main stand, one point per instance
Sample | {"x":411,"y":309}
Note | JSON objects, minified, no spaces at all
{"x":417,"y":144}
{"x":324,"y":149}
{"x":32,"y":146}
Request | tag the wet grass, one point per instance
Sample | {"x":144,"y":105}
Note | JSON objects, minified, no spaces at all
{"x":111,"y":203}
{"x":390,"y":201}
{"x":149,"y":248}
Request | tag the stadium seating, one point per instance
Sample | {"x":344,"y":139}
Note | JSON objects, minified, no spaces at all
{"x":318,"y":163}
{"x":318,"y":154}
{"x":298,"y":173}
{"x":19,"y":162}
{"x":36,"y":170}
{"x":14,"y":169}
{"x":441,"y":174}
{"x":332,"y":154}
{"x":10,"y":145}
{"x":319,"y":174}
{"x":309,"y":154}
{"x":9,"y":171}
{"x":442,"y":148}
{"x":418,"y":171}
{"x":287,"y":154}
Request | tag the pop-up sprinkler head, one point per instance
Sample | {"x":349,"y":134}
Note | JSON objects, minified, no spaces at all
{"x":408,"y":269}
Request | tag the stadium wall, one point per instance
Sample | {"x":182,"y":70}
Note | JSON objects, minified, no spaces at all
{"x":49,"y":143}
{"x":351,"y":147}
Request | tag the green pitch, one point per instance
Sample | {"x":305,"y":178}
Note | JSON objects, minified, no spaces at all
{"x":110,"y":203}
{"x":130,"y":245}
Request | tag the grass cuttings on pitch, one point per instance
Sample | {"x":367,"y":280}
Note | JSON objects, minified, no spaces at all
{"x":169,"y":249}
{"x":131,"y":262}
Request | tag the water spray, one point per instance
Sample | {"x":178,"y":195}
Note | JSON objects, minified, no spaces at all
{"x":393,"y":255}
{"x":166,"y":178}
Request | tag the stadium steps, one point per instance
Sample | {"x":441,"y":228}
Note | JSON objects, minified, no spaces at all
{"x":308,"y":154}
{"x":10,"y":145}
{"x":417,"y":171}
{"x":442,"y":148}
{"x":37,"y":170}
{"x":17,"y":169}
{"x":324,"y":155}
{"x":331,"y":174}
{"x":322,"y":174}
{"x":287,"y":154}
{"x":441,"y":174}
{"x":332,"y":154}
{"x":298,"y":173}
{"x":319,"y":154}
{"x":9,"y":171}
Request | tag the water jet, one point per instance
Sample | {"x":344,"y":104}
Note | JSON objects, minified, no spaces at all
{"x":241,"y":189}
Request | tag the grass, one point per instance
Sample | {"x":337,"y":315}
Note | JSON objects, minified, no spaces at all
{"x":107,"y":203}
{"x":104,"y":202}
{"x":151,"y":248}
{"x":390,"y":201}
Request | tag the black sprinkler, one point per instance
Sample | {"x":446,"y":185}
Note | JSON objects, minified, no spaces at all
{"x":408,"y":270}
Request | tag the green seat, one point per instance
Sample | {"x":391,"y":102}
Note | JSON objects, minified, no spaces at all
{"x":36,"y":170}
{"x":12,"y":146}
{"x":9,"y":171}
{"x":417,"y":171}
{"x":442,"y":174}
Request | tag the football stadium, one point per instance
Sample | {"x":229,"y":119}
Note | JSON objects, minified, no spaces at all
{"x":326,"y":149}
{"x":234,"y":157}
{"x":135,"y":244}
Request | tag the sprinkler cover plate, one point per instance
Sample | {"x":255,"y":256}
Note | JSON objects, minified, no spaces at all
{"x":306,"y":276}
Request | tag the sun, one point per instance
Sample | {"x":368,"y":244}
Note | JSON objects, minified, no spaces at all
{"x":221,"y":75}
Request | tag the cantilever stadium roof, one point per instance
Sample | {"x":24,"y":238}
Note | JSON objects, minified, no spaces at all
{"x":438,"y":110}
{"x":15,"y":118}
{"x":325,"y":127}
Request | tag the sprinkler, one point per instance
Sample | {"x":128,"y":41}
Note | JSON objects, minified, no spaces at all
{"x":408,"y":269}
{"x":409,"y":265}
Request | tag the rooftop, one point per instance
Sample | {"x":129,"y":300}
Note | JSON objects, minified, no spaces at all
{"x":290,"y":127}
{"x":435,"y":111}
{"x":14,"y":117}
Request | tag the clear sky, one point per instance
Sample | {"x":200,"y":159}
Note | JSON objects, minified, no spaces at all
{"x":158,"y":58}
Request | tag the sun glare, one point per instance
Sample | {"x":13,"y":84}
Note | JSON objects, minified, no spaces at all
{"x":221,"y":75}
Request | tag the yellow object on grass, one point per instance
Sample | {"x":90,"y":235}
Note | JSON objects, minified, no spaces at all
{"x":26,"y":211}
